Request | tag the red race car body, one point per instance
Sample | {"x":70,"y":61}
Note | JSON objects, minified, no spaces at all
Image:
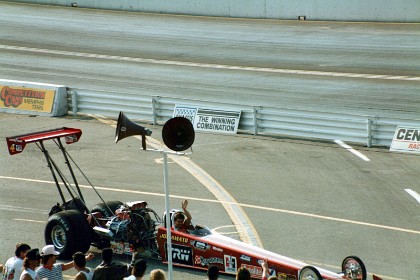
{"x":201,"y":248}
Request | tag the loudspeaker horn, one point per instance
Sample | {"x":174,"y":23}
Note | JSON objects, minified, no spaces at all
{"x":178,"y":134}
{"x":126,"y":128}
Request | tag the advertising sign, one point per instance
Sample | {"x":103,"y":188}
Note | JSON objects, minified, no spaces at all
{"x":187,"y":112}
{"x":23,"y":98}
{"x":210,"y":120}
{"x":406,"y":139}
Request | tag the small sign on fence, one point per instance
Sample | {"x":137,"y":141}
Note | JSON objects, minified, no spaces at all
{"x":406,"y":139}
{"x":210,"y":120}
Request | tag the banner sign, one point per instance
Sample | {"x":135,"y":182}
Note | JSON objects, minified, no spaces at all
{"x":406,"y":139}
{"x":187,"y":112}
{"x":23,"y":98}
{"x":210,"y":120}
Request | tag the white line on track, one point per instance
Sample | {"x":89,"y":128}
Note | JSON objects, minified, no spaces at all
{"x":351,"y":150}
{"x":209,"y":65}
{"x":285,"y":211}
{"x":413,"y":194}
{"x":30,"y":221}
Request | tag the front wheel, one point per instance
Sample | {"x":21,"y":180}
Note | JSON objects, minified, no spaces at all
{"x":353,"y":268}
{"x":69,"y":232}
{"x":309,"y":273}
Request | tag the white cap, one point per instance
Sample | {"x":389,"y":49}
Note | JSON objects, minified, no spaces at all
{"x":49,"y":250}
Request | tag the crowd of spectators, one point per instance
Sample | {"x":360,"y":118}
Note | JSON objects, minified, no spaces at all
{"x":26,"y":265}
{"x":31,"y":264}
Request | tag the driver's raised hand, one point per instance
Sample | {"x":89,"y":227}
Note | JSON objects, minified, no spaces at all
{"x":184,"y":205}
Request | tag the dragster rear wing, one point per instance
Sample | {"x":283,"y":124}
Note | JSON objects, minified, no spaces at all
{"x":16,"y":144}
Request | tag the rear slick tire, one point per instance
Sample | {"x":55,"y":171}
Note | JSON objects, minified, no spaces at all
{"x":69,"y":232}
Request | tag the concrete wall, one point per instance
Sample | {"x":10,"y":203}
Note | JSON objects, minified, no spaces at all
{"x":337,"y":10}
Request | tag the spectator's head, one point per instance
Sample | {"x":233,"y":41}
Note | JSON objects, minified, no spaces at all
{"x":79,"y":259}
{"x":107,"y":255}
{"x":157,"y":274}
{"x":32,"y":258}
{"x":213,"y":272}
{"x":49,"y":254}
{"x":243,"y":274}
{"x":21,"y":250}
{"x":139,"y":268}
{"x":273,"y":278}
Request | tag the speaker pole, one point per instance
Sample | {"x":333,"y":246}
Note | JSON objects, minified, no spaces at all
{"x":168,"y":215}
{"x":143,"y":140}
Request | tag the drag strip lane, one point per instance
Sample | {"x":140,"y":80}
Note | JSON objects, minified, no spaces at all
{"x":269,"y":209}
{"x":210,"y":65}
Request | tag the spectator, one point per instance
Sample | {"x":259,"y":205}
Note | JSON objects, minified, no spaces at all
{"x":157,"y":274}
{"x":50,"y":270}
{"x":83,"y":272}
{"x":243,"y":274}
{"x":109,"y":270}
{"x":181,"y":224}
{"x":138,"y":270}
{"x":31,"y":261}
{"x":213,"y":272}
{"x":13,"y":266}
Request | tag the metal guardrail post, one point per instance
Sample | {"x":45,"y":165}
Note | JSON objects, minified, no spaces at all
{"x":155,"y":100}
{"x":369,"y":131}
{"x":255,"y":117}
{"x":74,"y":102}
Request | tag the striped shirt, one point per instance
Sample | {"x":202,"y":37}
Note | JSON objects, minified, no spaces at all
{"x":56,"y":273}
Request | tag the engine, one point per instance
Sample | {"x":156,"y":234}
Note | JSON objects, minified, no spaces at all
{"x":136,"y":226}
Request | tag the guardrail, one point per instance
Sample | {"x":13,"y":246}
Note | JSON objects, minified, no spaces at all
{"x":257,"y":120}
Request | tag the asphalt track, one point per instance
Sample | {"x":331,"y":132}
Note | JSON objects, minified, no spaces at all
{"x":310,"y":200}
{"x":370,"y":68}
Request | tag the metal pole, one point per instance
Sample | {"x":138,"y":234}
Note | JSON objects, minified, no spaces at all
{"x":50,"y":166}
{"x":369,"y":132}
{"x":63,"y":150}
{"x":168,"y":218}
{"x":74,"y":102}
{"x":154,"y":112}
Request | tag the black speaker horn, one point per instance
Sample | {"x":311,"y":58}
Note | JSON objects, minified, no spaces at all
{"x":178,"y":134}
{"x":126,"y":128}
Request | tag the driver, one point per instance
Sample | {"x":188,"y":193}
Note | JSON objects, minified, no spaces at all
{"x":180,"y":223}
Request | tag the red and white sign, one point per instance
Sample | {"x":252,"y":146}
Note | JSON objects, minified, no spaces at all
{"x":406,"y":139}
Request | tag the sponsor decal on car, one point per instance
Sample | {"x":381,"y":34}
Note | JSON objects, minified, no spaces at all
{"x":203,"y":246}
{"x":230,"y":263}
{"x":218,"y":249}
{"x":254,"y":270}
{"x":175,"y":238}
{"x":245,"y":258}
{"x":181,"y":254}
{"x":71,"y":139}
{"x":206,"y":262}
{"x":283,"y":276}
{"x":120,"y":247}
